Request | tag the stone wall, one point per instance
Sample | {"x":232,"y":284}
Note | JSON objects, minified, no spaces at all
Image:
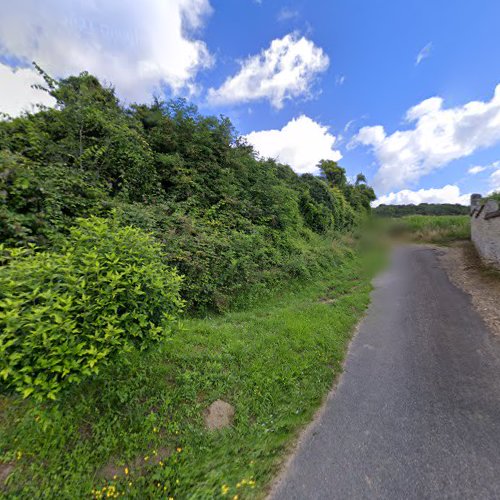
{"x":485,"y":229}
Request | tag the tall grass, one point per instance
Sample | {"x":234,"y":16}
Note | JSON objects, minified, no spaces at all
{"x":431,"y":228}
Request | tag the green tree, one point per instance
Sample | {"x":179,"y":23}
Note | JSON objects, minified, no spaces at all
{"x":333,"y":173}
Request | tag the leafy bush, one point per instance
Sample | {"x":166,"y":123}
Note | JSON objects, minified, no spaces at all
{"x":493,"y":196}
{"x":65,"y":313}
{"x":37,"y":202}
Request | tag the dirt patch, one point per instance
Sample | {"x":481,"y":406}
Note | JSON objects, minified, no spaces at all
{"x":85,"y":431}
{"x":465,"y":270}
{"x":5,"y":471}
{"x":219,"y":415}
{"x":326,"y":300}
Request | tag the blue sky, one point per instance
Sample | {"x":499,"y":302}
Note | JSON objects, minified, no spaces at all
{"x":302,"y":79}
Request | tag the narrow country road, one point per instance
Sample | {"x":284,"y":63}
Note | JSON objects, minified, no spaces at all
{"x":416,"y":413}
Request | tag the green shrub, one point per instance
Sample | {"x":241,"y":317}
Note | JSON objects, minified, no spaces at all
{"x":65,"y":313}
{"x":38,"y":202}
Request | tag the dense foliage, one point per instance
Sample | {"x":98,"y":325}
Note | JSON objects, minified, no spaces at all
{"x":66,"y":312}
{"x":494,"y":196}
{"x":421,"y":209}
{"x":232,"y":224}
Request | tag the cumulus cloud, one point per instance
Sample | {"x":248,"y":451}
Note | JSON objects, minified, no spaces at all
{"x":301,"y":143}
{"x":446,"y":194}
{"x":135,"y":45}
{"x":16,"y":91}
{"x":285,"y":70}
{"x":424,"y":53}
{"x":439,"y":136}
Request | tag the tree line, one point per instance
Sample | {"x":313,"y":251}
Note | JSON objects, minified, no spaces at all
{"x":421,"y":209}
{"x":225,"y":216}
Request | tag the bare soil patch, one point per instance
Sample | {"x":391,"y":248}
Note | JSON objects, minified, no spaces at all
{"x":5,"y":471}
{"x":465,"y":270}
{"x":219,"y":415}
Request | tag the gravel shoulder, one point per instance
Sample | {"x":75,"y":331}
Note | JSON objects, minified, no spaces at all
{"x":465,"y":270}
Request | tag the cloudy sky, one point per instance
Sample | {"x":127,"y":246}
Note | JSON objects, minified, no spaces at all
{"x":406,"y":92}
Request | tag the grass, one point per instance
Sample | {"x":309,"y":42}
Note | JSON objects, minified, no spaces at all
{"x":137,"y":430}
{"x":431,"y":228}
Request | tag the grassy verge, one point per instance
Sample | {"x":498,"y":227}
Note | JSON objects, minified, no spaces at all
{"x":137,"y":430}
{"x":430,"y":228}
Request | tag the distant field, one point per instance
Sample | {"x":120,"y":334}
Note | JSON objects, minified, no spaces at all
{"x":431,"y":228}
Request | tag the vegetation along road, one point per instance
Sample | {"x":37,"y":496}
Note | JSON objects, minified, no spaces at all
{"x":417,"y":412}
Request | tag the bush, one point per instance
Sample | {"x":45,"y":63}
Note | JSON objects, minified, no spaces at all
{"x":64,"y":314}
{"x":40,"y":202}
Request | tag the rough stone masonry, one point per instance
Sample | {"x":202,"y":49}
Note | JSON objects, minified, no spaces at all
{"x":485,"y":229}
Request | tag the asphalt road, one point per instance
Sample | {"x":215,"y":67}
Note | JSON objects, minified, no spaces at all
{"x":416,"y":413}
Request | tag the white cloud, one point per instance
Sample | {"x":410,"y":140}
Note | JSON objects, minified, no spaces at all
{"x":438,"y":137}
{"x":301,"y":143}
{"x":476,"y":170}
{"x":134,"y":45}
{"x":424,"y":53}
{"x":340,"y":80}
{"x":348,"y":125}
{"x":285,"y":70}
{"x":495,"y":180}
{"x":286,"y":14}
{"x":446,"y":194}
{"x":481,"y":168}
{"x":16,"y":92}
